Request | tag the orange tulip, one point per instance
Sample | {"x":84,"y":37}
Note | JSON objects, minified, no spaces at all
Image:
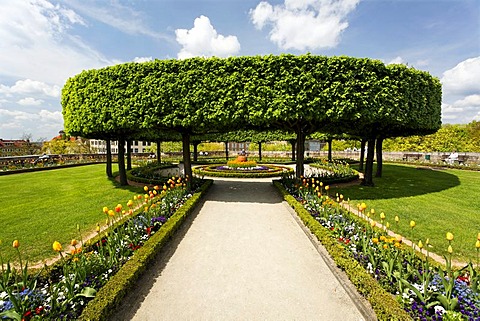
{"x":16,"y":244}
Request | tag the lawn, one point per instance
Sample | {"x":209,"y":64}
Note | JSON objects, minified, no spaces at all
{"x":439,"y":201}
{"x":39,"y":208}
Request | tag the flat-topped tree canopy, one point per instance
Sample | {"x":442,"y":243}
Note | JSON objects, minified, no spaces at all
{"x":300,"y":94}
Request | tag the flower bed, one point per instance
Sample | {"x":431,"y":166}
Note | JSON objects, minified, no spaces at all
{"x":335,"y":172}
{"x":260,"y":171}
{"x":123,"y":251}
{"x":424,"y":289}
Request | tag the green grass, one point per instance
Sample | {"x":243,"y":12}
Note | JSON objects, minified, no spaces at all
{"x":439,"y":201}
{"x":39,"y":208}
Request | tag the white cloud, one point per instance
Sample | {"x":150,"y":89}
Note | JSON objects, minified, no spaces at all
{"x":203,"y":40}
{"x":472,"y":101}
{"x":396,"y":60}
{"x":463,"y":79}
{"x":304,"y":24}
{"x":49,"y":116}
{"x":462,"y":110}
{"x":29,"y":86}
{"x":29,"y":101}
{"x":142,"y":59}
{"x":15,"y":122}
{"x":118,"y":16}
{"x":36,"y":43}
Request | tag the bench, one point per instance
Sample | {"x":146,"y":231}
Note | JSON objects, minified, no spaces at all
{"x":461,"y":160}
{"x":415,"y":156}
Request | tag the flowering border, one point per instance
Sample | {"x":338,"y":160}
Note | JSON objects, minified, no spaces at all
{"x":384,"y":304}
{"x":109,"y":297}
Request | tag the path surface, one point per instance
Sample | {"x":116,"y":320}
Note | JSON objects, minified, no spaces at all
{"x":241,"y":256}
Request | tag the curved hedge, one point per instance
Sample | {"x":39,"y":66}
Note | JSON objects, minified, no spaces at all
{"x":210,"y":170}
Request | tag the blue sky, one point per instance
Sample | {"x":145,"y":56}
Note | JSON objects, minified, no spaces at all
{"x":43,"y":42}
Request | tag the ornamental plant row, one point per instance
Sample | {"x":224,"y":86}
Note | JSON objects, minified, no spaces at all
{"x":423,"y":288}
{"x":62,"y":292}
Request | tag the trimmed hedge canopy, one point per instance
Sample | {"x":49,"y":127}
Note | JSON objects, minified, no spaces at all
{"x":201,"y":95}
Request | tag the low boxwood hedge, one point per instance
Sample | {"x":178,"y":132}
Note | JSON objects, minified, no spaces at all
{"x":210,"y":171}
{"x":110,"y":296}
{"x":148,"y":174}
{"x":382,"y":302}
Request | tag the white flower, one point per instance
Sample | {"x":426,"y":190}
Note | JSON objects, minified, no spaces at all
{"x":439,"y":309}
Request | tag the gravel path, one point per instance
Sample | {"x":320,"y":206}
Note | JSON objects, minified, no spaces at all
{"x":243,"y":256}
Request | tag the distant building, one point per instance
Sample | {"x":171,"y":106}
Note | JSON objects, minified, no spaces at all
{"x":100,"y":146}
{"x":313,"y":145}
{"x":17,"y":147}
{"x":238,"y":147}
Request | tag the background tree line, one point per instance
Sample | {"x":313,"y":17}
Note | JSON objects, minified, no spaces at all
{"x":459,"y":137}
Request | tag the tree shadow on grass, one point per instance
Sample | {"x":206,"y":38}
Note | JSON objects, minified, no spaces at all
{"x":403,"y":181}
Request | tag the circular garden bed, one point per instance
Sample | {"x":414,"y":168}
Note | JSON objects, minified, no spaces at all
{"x":259,"y":171}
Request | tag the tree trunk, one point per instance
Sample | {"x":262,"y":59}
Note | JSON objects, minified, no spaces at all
{"x":195,"y":151}
{"x":186,"y":158}
{"x":362,"y":154}
{"x":109,"y":158}
{"x":293,"y":142}
{"x":300,"y":153}
{"x":159,"y":152}
{"x":378,"y":149}
{"x":226,"y":151}
{"x":259,"y":151}
{"x":368,"y":175}
{"x":121,"y":162}
{"x":329,"y":150}
{"x":129,"y":155}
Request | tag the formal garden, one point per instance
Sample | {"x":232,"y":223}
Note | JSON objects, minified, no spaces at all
{"x":77,"y":240}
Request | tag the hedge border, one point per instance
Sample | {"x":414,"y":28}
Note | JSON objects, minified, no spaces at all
{"x":110,"y":296}
{"x":198,"y":171}
{"x":383,"y":303}
{"x":139,"y":179}
{"x":46,"y":168}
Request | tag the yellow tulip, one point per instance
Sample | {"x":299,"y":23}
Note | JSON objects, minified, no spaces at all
{"x":477,"y":244}
{"x":57,"y":247}
{"x":383,"y":238}
{"x":396,"y":218}
{"x":450,"y":249}
{"x":130,"y":203}
{"x":373,"y":223}
{"x":372,"y":211}
{"x":478,"y":236}
{"x":387,"y":225}
{"x":375,"y":240}
{"x":321,"y":183}
{"x":427,"y":241}
{"x":327,"y":188}
{"x":382,"y":216}
{"x":111,"y":213}
{"x":341,"y":196}
{"x":412,"y":224}
{"x":145,"y":188}
{"x":105,"y":209}
{"x":73,"y":242}
{"x":385,"y":246}
{"x":16,"y":244}
{"x":420,"y":244}
{"x":398,"y":237}
{"x":363,"y":206}
{"x":397,"y":244}
{"x":449,"y":236}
